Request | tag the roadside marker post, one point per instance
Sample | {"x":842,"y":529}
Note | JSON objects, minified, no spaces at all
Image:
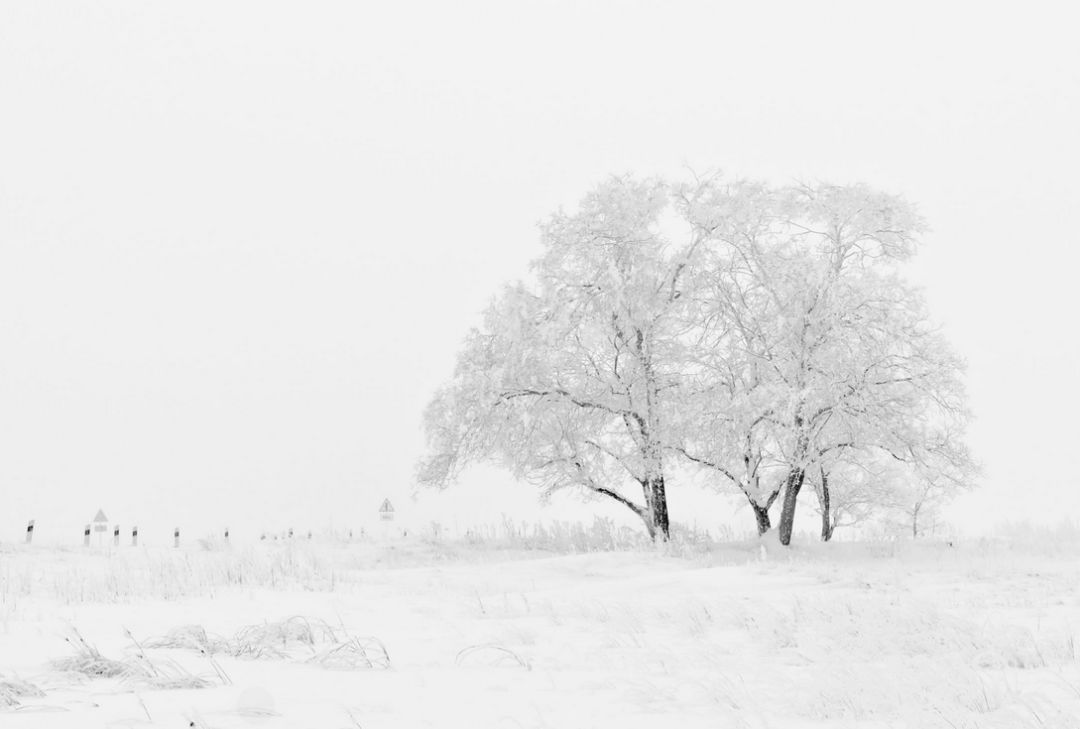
{"x":30,"y":532}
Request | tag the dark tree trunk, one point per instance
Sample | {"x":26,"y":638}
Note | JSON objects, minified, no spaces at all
{"x":659,"y":509}
{"x":761,"y":516}
{"x":655,"y":513}
{"x":761,"y":513}
{"x":791,"y":496}
{"x":826,"y":514}
{"x":825,"y":503}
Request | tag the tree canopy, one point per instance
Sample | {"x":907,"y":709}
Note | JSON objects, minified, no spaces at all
{"x":763,"y":333}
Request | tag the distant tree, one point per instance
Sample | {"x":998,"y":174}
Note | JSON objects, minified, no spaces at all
{"x":569,"y":381}
{"x":924,"y":498}
{"x":853,"y":491}
{"x":935,"y":467}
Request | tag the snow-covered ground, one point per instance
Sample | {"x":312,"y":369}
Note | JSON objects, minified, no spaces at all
{"x":980,"y":634}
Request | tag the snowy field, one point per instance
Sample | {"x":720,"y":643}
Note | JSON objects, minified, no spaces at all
{"x":412,"y":633}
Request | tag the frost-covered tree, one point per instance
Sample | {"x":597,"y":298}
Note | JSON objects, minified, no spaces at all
{"x":812,"y":346}
{"x":935,"y":467}
{"x":863,"y":367}
{"x":905,"y":490}
{"x":853,"y":490}
{"x":570,"y":381}
{"x":732,"y":324}
{"x":763,"y":333}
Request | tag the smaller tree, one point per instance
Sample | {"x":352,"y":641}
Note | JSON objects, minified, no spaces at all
{"x":931,"y":474}
{"x":862,"y":368}
{"x":853,"y":490}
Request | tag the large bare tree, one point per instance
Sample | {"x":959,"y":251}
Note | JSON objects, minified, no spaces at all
{"x":570,"y":381}
{"x":764,"y":333}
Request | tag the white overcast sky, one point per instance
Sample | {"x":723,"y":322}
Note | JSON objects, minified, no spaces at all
{"x":240,"y":242}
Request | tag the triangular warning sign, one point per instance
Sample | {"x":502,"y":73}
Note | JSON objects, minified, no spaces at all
{"x":101,"y":516}
{"x":387,"y":507}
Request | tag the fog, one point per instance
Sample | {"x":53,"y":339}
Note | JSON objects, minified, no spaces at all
{"x":240,"y":243}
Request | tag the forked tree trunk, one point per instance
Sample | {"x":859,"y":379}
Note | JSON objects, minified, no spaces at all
{"x":791,"y":497}
{"x":646,"y":516}
{"x":761,"y":516}
{"x":646,"y":513}
{"x":761,"y":513}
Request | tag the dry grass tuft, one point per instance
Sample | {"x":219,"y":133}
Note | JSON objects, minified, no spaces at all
{"x":162,"y":673}
{"x":490,"y":654}
{"x":354,"y":654}
{"x":190,"y":637}
{"x":278,"y":640}
{"x":316,"y":640}
{"x":165,"y":673}
{"x":88,"y":661}
{"x":13,"y":689}
{"x":139,"y":669}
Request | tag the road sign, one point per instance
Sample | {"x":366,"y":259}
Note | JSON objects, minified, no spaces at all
{"x":101,"y":522}
{"x":386,"y":511}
